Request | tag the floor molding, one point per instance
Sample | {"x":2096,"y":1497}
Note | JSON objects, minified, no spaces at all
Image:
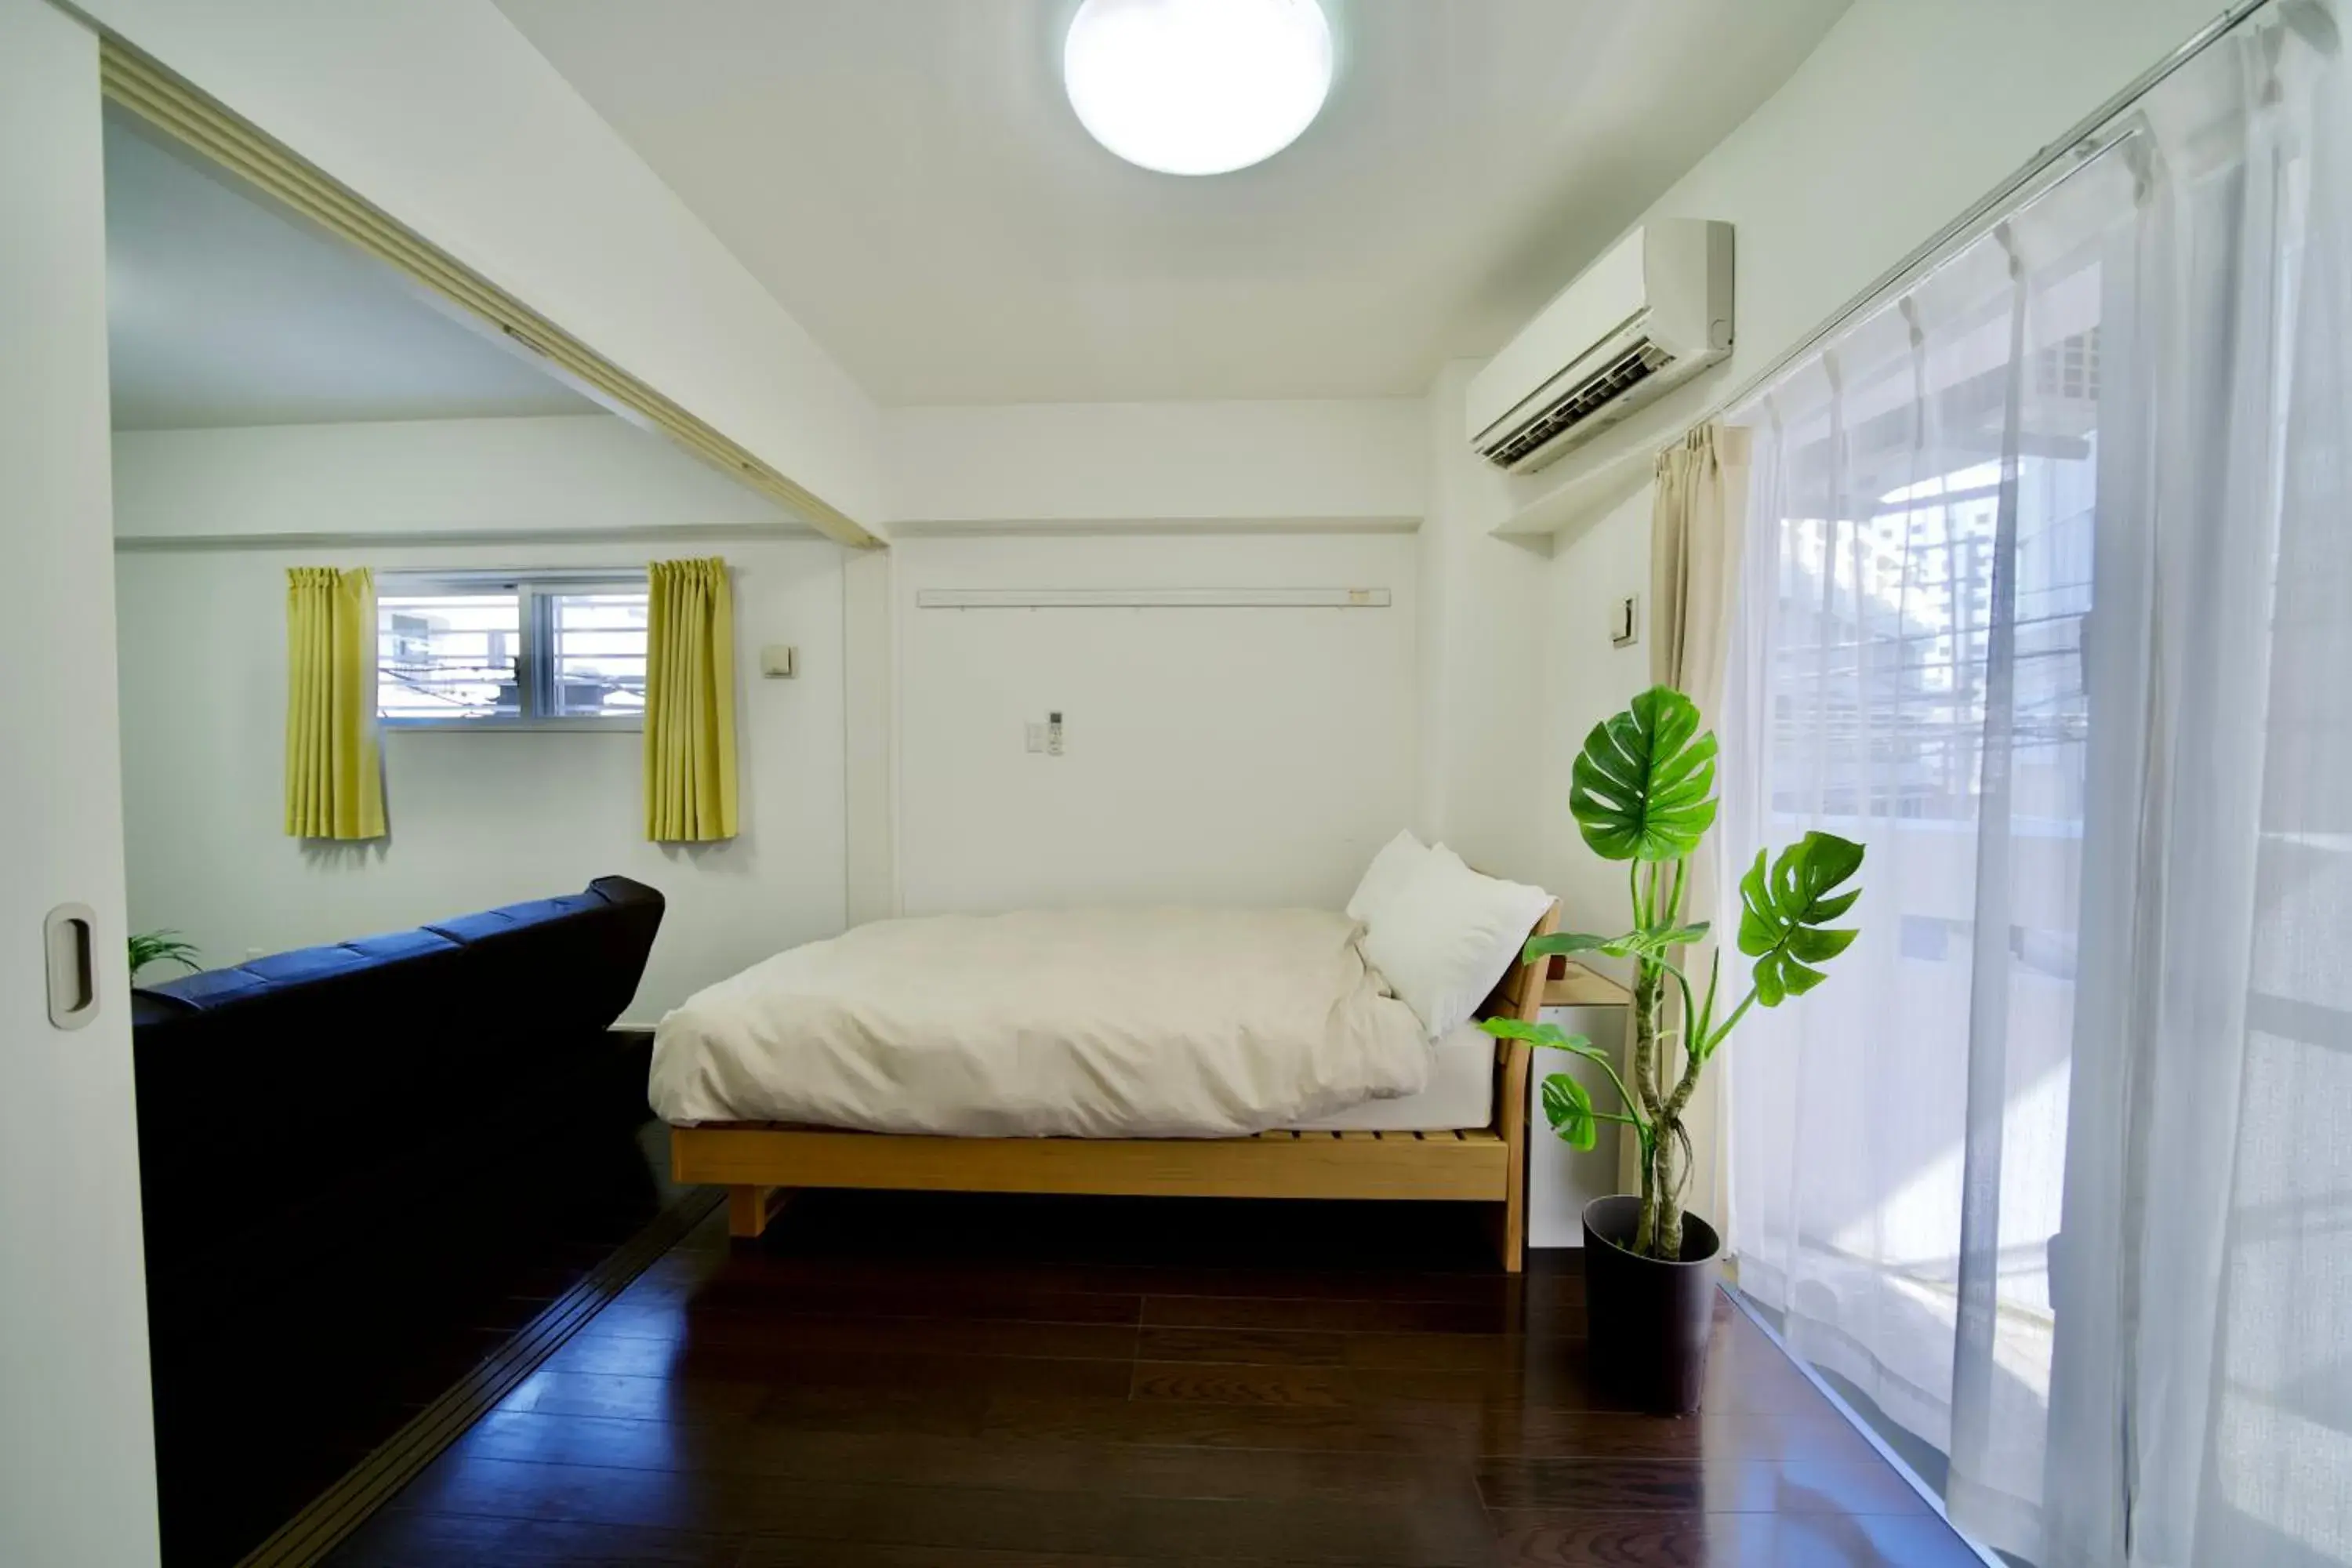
{"x":342,"y":1507}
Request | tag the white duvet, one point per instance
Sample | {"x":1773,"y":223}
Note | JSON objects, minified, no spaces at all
{"x":1084,"y":1023}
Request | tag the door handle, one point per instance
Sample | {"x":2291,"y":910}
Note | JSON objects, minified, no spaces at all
{"x":65,"y":937}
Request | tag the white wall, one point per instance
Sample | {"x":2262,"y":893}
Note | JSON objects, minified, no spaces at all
{"x":477,"y":819}
{"x":1249,"y":756}
{"x":1480,"y":678}
{"x":442,"y":113}
{"x":563,"y":475}
{"x":1354,"y":461}
{"x":77,"y":1440}
{"x":868,"y":660}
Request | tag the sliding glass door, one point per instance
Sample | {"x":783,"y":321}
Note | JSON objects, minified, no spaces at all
{"x":2047,"y":601}
{"x":1911,"y":674}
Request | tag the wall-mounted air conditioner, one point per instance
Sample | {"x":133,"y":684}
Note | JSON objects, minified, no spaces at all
{"x":1654,"y":310}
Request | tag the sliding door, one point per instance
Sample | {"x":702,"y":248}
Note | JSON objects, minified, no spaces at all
{"x":76,"y":1453}
{"x":1914,"y":677}
{"x":2046,"y":603}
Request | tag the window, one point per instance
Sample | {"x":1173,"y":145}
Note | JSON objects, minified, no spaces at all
{"x":554,"y":650}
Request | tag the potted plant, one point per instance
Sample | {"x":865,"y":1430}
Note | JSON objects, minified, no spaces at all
{"x":1643,"y":790}
{"x":161,"y":947}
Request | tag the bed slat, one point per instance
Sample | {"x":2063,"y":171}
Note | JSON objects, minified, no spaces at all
{"x":1361,"y":1166}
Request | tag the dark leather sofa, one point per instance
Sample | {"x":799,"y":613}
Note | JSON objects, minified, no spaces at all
{"x":359,"y":1166}
{"x":280,"y":1084}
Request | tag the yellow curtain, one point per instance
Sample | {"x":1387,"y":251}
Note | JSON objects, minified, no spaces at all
{"x":690,"y":702}
{"x":334,"y":780}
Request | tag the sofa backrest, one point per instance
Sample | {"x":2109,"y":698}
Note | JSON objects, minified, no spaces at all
{"x":329,"y":1054}
{"x":594,"y":941}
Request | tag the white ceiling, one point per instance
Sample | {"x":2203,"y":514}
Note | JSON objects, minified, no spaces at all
{"x":221,"y":311}
{"x":907,"y":179}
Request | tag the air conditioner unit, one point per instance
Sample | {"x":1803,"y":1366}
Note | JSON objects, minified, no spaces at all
{"x":1652,"y":311}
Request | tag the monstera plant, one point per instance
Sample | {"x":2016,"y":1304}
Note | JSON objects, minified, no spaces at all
{"x":1643,"y":790}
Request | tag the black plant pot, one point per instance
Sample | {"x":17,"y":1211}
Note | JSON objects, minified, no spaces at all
{"x":1646,"y":1318}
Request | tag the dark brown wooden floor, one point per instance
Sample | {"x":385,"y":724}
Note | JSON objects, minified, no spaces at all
{"x":297,"y":1352}
{"x":958,"y":1381}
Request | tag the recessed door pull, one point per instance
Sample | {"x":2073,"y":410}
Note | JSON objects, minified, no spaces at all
{"x":73,"y":977}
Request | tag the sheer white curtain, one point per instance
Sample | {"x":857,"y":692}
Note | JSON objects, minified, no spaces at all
{"x":2048,"y":603}
{"x":1910,"y":675}
{"x":2202,"y":1409}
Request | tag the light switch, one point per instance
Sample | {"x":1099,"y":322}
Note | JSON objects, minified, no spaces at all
{"x":1033,"y":736}
{"x":779,"y":661}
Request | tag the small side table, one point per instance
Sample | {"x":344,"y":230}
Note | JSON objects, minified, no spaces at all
{"x":1562,"y":1179}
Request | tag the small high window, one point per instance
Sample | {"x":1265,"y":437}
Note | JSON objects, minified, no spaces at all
{"x":552,"y":651}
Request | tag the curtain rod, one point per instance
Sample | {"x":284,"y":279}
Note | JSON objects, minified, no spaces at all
{"x":2082,"y":138}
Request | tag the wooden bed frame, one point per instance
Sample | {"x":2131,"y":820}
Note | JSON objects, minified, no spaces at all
{"x":761,"y":1163}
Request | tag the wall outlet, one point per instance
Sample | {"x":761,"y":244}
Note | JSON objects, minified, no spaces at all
{"x":1624,"y":627}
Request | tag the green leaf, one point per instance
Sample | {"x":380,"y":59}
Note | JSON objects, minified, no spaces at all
{"x":1643,"y":788}
{"x":1654,"y":942}
{"x":1785,"y":913}
{"x":161,"y":947}
{"x":1551,"y":1035}
{"x":1632,"y":944}
{"x":1563,"y":942}
{"x":1569,"y":1111}
{"x":1535,"y":1033}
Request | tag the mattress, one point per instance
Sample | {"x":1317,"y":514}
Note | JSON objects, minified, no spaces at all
{"x":1459,"y":1096}
{"x":1155,"y":1022}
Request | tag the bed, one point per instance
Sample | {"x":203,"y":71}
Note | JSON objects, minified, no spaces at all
{"x":1139,"y":1053}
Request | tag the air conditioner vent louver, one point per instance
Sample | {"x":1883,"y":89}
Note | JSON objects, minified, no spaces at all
{"x":1630,"y":368}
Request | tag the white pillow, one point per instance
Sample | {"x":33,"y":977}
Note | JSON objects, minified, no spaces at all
{"x":1447,"y":935}
{"x":1386,"y":876}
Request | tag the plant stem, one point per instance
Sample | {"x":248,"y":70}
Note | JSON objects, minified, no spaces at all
{"x":1645,"y":1078}
{"x":1705,"y":1031}
{"x":1682,"y":983}
{"x":1649,"y":995}
{"x":1645,"y":1035}
{"x":1668,"y":1241}
{"x":1737,"y":1013}
{"x":1646,"y":1229}
{"x":1658,"y":891}
{"x":1632,"y":1106}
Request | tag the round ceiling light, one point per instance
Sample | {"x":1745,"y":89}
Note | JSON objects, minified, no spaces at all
{"x":1197,"y":87}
